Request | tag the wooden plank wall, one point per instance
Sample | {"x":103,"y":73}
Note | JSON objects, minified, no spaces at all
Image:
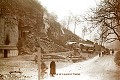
{"x":12,"y":50}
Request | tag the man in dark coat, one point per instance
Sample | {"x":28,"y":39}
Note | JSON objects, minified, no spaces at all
{"x":112,"y":51}
{"x":52,"y":68}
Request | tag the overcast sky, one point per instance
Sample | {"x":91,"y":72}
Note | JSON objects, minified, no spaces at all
{"x":63,"y":8}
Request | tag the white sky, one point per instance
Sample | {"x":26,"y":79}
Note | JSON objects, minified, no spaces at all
{"x":63,"y":8}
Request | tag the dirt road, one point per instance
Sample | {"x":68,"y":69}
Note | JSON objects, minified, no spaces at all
{"x":98,"y":68}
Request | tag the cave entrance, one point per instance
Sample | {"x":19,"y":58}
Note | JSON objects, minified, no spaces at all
{"x":7,"y":42}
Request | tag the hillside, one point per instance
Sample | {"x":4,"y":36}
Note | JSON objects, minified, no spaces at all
{"x":60,"y":35}
{"x":23,"y":22}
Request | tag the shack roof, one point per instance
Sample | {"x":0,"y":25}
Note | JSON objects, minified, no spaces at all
{"x":8,"y":47}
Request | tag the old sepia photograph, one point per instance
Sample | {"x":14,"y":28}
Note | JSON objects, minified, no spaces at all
{"x":59,"y":39}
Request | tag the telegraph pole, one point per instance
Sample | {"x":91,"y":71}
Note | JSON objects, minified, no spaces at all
{"x":39,"y":63}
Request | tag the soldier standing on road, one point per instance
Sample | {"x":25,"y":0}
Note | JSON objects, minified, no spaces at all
{"x":52,"y":68}
{"x":99,"y":54}
{"x":112,"y":51}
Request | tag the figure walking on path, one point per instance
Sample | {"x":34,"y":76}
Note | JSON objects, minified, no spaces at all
{"x":99,"y":54}
{"x":52,"y":68}
{"x":112,"y":51}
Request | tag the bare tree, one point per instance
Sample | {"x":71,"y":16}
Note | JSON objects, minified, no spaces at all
{"x":71,"y":19}
{"x":67,"y":21}
{"x":107,"y":18}
{"x":75,"y":20}
{"x":84,"y":30}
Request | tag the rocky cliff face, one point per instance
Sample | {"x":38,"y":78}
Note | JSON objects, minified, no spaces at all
{"x":8,"y":26}
{"x":61,"y":35}
{"x":23,"y":22}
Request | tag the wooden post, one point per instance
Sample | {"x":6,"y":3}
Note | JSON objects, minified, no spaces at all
{"x":39,"y":63}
